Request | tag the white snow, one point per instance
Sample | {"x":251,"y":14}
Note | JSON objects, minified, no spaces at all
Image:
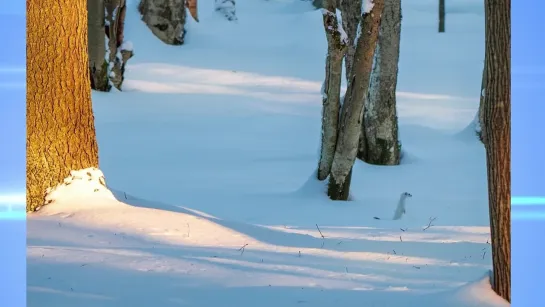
{"x":367,"y":6}
{"x":127,"y":45}
{"x":210,"y":155}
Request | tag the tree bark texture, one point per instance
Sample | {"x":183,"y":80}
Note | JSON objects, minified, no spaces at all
{"x":352,"y":109}
{"x":98,"y":65}
{"x":165,"y":18}
{"x":379,"y":143}
{"x":336,"y":46}
{"x":117,"y":55}
{"x":351,"y":16}
{"x":497,"y":117}
{"x":60,"y":121}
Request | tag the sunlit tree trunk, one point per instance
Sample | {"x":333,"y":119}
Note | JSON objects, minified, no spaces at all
{"x":60,"y":122}
{"x":497,"y":118}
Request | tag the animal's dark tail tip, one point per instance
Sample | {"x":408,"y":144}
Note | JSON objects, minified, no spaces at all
{"x":376,"y":218}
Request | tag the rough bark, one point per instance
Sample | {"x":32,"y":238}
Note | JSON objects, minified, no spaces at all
{"x":352,"y":110}
{"x":379,"y":143}
{"x":351,"y":15}
{"x":441,"y":16}
{"x":497,"y":117}
{"x":165,"y":19}
{"x":336,"y":46}
{"x":98,"y":66}
{"x":226,"y":8}
{"x":60,"y":122}
{"x":117,"y":54}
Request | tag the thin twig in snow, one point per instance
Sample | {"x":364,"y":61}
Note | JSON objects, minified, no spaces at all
{"x":484,"y":254}
{"x":125,"y":193}
{"x":429,"y":224}
{"x":320,"y":231}
{"x":400,"y":239}
{"x":242,"y":248}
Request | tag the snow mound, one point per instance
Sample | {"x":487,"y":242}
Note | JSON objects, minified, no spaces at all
{"x":480,"y":294}
{"x":88,"y":184}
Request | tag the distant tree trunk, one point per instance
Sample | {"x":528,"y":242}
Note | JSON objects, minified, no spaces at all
{"x":379,"y":143}
{"x":226,"y":8}
{"x":193,"y":9}
{"x":352,"y":110}
{"x":60,"y":122}
{"x":336,"y":47}
{"x":118,"y":53}
{"x":480,"y":117}
{"x":441,"y":16}
{"x":98,"y":65}
{"x":351,"y":15}
{"x":165,"y":19}
{"x":497,"y":118}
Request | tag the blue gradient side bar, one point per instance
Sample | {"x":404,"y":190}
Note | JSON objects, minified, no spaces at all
{"x":527,"y":201}
{"x":12,"y":154}
{"x":527,"y":152}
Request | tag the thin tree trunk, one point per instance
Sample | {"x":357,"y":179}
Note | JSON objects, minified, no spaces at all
{"x":117,"y":55}
{"x":497,"y":117}
{"x":98,"y":65}
{"x":379,"y":142}
{"x":336,"y":47}
{"x":60,"y":122}
{"x":193,"y":9}
{"x":351,"y":16}
{"x":441,"y":16}
{"x":352,"y":110}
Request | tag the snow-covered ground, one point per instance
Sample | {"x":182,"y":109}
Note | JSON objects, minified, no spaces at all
{"x":209,"y":155}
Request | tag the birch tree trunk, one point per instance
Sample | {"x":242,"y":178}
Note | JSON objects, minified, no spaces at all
{"x":165,"y":19}
{"x":497,"y":117}
{"x":336,"y":46}
{"x":379,"y":143}
{"x":98,"y":65}
{"x":351,"y":15}
{"x":60,"y":122}
{"x":352,"y":110}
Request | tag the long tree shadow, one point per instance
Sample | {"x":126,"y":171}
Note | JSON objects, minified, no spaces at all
{"x":93,"y":267}
{"x":459,"y":252}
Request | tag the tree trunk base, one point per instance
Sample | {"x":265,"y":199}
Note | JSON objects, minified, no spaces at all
{"x":338,"y":191}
